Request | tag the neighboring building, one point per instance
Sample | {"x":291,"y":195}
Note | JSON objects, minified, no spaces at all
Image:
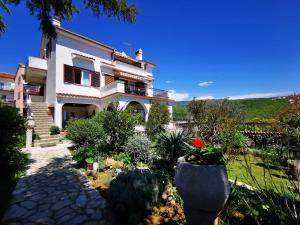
{"x":19,"y":88}
{"x":7,"y":85}
{"x":76,"y":76}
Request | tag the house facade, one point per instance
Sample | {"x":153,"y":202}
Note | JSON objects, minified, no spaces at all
{"x":7,"y":85}
{"x":75,"y":76}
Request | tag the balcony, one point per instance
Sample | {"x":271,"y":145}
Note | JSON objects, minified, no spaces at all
{"x":122,"y":87}
{"x":32,"y":89}
{"x":36,"y":69}
{"x":8,"y":100}
{"x":7,"y":86}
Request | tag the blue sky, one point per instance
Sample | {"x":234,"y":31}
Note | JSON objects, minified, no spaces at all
{"x":203,"y":49}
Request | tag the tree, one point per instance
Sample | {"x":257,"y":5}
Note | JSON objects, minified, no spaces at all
{"x":65,"y":9}
{"x":158,"y":117}
{"x":119,"y":125}
{"x":212,"y":118}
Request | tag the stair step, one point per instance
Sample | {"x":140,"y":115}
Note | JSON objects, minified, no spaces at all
{"x":48,"y":144}
{"x":43,"y":123}
{"x":40,"y":133}
{"x":41,"y":141}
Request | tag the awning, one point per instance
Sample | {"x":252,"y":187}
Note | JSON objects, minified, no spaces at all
{"x":131,"y":76}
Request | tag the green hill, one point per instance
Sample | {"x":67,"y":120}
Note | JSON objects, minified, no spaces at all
{"x":260,"y":108}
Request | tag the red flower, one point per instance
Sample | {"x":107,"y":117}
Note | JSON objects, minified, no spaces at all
{"x":198,"y":143}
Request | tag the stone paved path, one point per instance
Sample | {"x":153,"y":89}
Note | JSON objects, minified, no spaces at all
{"x":54,"y":192}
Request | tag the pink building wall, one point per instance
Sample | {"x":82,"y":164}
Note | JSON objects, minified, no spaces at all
{"x":19,"y":89}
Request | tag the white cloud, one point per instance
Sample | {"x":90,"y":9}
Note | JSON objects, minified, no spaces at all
{"x":208,"y":97}
{"x":180,"y":96}
{"x":258,"y":95}
{"x":205,"y":83}
{"x":169,"y":81}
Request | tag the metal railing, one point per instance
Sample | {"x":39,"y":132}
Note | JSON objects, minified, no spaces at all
{"x":160,"y":93}
{"x":134,"y":89}
{"x":32,"y":89}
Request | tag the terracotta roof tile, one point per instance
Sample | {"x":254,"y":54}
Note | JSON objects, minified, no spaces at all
{"x":7,"y":75}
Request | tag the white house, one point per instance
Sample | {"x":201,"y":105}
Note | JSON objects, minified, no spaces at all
{"x":76,"y":76}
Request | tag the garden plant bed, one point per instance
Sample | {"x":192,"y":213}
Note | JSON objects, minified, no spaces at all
{"x":166,"y":212}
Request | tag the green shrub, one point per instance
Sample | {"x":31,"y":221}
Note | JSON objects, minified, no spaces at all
{"x":232,"y":141}
{"x":158,"y":117}
{"x":139,"y":148}
{"x":54,"y":130}
{"x":213,"y":118}
{"x":12,"y":130}
{"x":118,"y":126}
{"x":132,"y":193}
{"x":86,"y":132}
{"x":123,"y":157}
{"x":84,"y":155}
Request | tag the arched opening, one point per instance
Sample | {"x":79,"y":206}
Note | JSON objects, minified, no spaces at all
{"x":137,"y":108}
{"x":72,"y":111}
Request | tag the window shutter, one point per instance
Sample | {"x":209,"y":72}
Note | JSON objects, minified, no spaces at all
{"x":95,"y":81}
{"x":109,"y":79}
{"x":68,"y":74}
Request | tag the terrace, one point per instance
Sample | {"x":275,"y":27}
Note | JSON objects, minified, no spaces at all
{"x":137,"y":89}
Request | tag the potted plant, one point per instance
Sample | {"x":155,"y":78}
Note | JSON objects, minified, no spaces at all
{"x":89,"y":163}
{"x":202,"y":182}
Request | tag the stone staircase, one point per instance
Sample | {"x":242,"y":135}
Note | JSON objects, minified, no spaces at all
{"x":43,"y":121}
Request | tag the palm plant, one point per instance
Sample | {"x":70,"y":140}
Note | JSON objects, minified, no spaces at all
{"x":173,"y":145}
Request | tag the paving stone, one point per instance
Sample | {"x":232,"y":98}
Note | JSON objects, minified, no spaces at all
{"x":61,"y":204}
{"x":28,"y":204}
{"x":81,"y":200}
{"x":54,"y":192}
{"x":15,"y":212}
{"x":77,"y":220}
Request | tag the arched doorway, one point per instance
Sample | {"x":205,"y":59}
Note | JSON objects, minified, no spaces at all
{"x":137,"y":108}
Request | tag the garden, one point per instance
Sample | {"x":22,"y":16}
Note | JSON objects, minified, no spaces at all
{"x":180,"y":177}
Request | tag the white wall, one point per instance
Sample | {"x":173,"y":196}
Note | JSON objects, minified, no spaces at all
{"x":64,"y":49}
{"x":51,"y":78}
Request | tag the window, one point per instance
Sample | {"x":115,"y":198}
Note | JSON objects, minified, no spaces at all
{"x":77,"y":76}
{"x":86,"y":77}
{"x":80,"y":76}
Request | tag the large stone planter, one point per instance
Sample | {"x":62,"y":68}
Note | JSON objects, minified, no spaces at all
{"x":204,"y":190}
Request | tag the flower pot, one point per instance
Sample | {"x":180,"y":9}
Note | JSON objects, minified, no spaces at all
{"x":204,"y":190}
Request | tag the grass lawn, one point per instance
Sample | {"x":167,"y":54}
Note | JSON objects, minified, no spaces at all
{"x":275,"y":177}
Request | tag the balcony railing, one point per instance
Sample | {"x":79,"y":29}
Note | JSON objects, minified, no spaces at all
{"x":32,"y":89}
{"x":122,"y":87}
{"x":160,"y":93}
{"x":7,"y":86}
{"x":133,"y":89}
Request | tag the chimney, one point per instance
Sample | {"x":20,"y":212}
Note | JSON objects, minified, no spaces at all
{"x":139,"y":55}
{"x":56,"y":21}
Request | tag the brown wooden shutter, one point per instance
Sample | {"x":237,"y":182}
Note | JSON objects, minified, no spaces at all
{"x":95,"y":81}
{"x":68,"y":74}
{"x":109,"y":79}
